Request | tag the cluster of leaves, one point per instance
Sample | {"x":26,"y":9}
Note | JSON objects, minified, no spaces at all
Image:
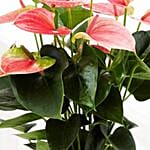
{"x":79,"y":97}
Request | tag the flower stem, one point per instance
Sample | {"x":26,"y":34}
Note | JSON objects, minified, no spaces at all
{"x":129,"y":82}
{"x":69,"y":18}
{"x":91,"y":8}
{"x":125,"y":17}
{"x":41,"y":39}
{"x":37,"y":45}
{"x":138,"y":27}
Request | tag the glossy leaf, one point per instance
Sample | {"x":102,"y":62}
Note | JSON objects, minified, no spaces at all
{"x":25,"y":127}
{"x":95,"y":139}
{"x":129,"y":124}
{"x":34,"y":135}
{"x":8,"y":100}
{"x":61,"y":134}
{"x":77,"y":11}
{"x":122,"y":139}
{"x":19,"y":120}
{"x":40,"y":145}
{"x":142,"y":42}
{"x":46,"y":99}
{"x":103,"y":88}
{"x":112,"y":107}
{"x":88,"y":73}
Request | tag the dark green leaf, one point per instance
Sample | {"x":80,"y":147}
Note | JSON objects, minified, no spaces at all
{"x":34,"y":135}
{"x":142,"y":76}
{"x":128,"y":124}
{"x":95,"y":139}
{"x":25,"y":127}
{"x":76,"y":11}
{"x":66,"y":104}
{"x":103,"y":88}
{"x":4,"y":83}
{"x":82,"y":138}
{"x":88,"y":73}
{"x":142,"y":39}
{"x":61,"y":134}
{"x":112,"y":107}
{"x":42,"y":145}
{"x":19,"y":120}
{"x":140,"y":89}
{"x":43,"y":94}
{"x":31,"y":145}
{"x":8,"y":100}
{"x":122,"y":139}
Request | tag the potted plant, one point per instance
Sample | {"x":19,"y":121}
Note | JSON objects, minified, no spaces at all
{"x":78,"y":82}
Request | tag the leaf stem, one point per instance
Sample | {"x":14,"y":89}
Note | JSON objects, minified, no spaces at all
{"x":36,"y":40}
{"x":41,"y":39}
{"x":91,"y":8}
{"x":129,"y":82}
{"x":138,"y":27}
{"x":125,"y":17}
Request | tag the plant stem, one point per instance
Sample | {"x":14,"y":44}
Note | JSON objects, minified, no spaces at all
{"x":37,"y":45}
{"x":91,"y":8}
{"x":41,"y":39}
{"x":78,"y":140}
{"x":138,"y":27}
{"x":129,"y":82}
{"x":125,"y":17}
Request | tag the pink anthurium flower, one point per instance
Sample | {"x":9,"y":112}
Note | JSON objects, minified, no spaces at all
{"x":120,"y":2}
{"x":11,"y":16}
{"x":109,"y":33}
{"x":107,"y":8}
{"x":62,"y":3}
{"x":146,"y":17}
{"x":39,"y":20}
{"x":106,"y":33}
{"x":20,"y":61}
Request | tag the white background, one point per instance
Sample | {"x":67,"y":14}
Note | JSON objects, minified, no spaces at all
{"x":138,"y":112}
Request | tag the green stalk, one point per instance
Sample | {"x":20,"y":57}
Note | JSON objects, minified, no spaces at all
{"x":125,"y":17}
{"x":70,"y":26}
{"x":91,"y":8}
{"x":41,"y":39}
{"x":138,"y":27}
{"x":78,"y":140}
{"x":37,"y":45}
{"x":129,"y":82}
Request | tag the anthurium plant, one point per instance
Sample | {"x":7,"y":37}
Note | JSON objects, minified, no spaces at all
{"x":78,"y":82}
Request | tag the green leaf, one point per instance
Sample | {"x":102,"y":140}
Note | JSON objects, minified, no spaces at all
{"x":122,"y":139}
{"x":95,"y":139}
{"x":61,"y":134}
{"x":25,"y":127}
{"x":76,"y":11}
{"x":43,"y":94}
{"x":8,"y":100}
{"x":142,"y":76}
{"x":112,"y":107}
{"x":88,"y":74}
{"x":42,"y":145}
{"x":103,"y":88}
{"x":142,"y":39}
{"x":140,"y":89}
{"x":34,"y":135}
{"x":4,"y":83}
{"x":19,"y":120}
{"x":128,"y":124}
{"x":31,"y":145}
